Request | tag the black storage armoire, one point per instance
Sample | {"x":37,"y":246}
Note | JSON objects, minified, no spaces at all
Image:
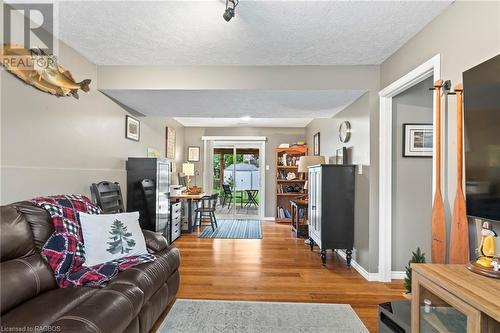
{"x":151,"y":202}
{"x":331,"y":208}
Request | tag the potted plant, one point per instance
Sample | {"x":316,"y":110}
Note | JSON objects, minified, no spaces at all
{"x":417,"y":257}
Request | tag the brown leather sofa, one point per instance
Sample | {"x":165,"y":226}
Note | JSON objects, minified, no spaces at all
{"x":32,"y":302}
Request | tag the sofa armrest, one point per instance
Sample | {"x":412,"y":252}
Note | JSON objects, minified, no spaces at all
{"x":154,"y":241}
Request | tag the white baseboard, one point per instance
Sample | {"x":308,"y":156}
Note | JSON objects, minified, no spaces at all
{"x":395,"y":275}
{"x":398,"y":275}
{"x":269,"y":218}
{"x":360,"y":269}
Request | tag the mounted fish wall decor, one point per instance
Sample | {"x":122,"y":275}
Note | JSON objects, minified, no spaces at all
{"x":42,"y":71}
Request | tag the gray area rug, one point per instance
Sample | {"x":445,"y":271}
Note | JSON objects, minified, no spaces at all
{"x":234,"y":229}
{"x":195,"y":316}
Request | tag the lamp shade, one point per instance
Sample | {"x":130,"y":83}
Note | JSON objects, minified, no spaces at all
{"x":188,"y":169}
{"x":307,"y":161}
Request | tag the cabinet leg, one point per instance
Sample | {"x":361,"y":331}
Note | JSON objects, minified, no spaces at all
{"x":323,"y":257}
{"x":311,"y":244}
{"x":348,"y":257}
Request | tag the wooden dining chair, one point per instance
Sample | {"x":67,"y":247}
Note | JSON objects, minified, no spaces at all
{"x":206,"y":208}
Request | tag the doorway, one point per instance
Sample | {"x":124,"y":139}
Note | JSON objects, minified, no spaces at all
{"x":430,"y":68}
{"x":236,"y":178}
{"x":235,"y":170}
{"x":412,"y":123}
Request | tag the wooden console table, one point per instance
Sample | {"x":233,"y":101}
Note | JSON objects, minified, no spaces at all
{"x":299,"y":225}
{"x":450,"y":298}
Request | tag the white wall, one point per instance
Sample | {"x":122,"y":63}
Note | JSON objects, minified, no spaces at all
{"x":52,"y":145}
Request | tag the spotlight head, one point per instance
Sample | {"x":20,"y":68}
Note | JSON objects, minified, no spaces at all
{"x":228,"y":14}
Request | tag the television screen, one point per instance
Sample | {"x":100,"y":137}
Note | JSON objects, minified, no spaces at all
{"x":482,"y":139}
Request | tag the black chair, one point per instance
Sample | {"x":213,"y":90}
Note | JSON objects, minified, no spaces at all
{"x":148,"y":189}
{"x":206,"y":208}
{"x":108,"y":196}
{"x":228,"y":196}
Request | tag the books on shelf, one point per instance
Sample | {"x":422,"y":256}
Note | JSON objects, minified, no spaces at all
{"x":283,"y":213}
{"x":289,"y":182}
{"x":289,"y":188}
{"x":284,"y":175}
{"x":288,"y":160}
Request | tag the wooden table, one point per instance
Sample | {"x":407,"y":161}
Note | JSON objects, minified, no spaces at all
{"x":299,"y":227}
{"x":189,"y":198}
{"x":475,"y":296}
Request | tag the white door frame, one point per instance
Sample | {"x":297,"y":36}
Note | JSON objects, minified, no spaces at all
{"x":432,"y":67}
{"x":259,"y":141}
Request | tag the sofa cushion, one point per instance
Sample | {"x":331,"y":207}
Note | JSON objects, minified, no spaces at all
{"x":23,"y":279}
{"x":153,"y":309}
{"x":39,"y":220}
{"x":46,"y":308}
{"x":109,"y":310}
{"x":149,"y":277}
{"x":154,"y":241}
{"x":16,"y":239}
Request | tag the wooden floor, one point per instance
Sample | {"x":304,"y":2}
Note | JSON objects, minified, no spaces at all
{"x":278,"y":267}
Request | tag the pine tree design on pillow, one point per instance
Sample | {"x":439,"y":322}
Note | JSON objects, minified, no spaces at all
{"x":120,"y":241}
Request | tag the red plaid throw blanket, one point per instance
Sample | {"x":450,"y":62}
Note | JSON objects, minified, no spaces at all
{"x":64,"y":250}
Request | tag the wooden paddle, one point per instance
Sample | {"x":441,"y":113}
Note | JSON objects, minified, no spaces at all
{"x":438,"y":225}
{"x":459,"y":235}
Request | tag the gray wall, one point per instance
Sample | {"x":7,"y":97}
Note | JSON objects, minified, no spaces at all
{"x":358,"y":114}
{"x":411,"y":178}
{"x":52,"y":145}
{"x":465,"y":35}
{"x":274,"y":136}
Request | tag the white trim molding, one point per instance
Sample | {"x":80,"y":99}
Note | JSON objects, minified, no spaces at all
{"x":395,"y":275}
{"x":398,"y":275}
{"x":360,"y":269}
{"x":432,"y":67}
{"x":209,"y":142}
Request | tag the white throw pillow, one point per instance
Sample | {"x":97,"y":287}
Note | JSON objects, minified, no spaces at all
{"x":108,"y":237}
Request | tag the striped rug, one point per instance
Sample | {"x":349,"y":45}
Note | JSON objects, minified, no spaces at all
{"x":234,"y":229}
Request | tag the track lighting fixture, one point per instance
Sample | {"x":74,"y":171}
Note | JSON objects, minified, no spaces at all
{"x":230,"y":9}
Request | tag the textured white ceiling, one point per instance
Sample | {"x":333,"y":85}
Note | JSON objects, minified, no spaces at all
{"x":262,"y":33}
{"x":283,"y":108}
{"x":238,"y":122}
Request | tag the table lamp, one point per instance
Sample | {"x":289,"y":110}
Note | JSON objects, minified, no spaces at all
{"x":307,"y":161}
{"x":188,"y":171}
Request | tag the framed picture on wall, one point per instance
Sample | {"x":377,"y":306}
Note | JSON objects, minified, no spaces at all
{"x":132,"y":128}
{"x":316,"y":143}
{"x":170,"y":143}
{"x":193,"y":154}
{"x":417,"y":140}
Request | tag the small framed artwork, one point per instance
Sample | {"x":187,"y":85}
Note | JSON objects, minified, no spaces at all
{"x":417,"y":140}
{"x":193,"y":154}
{"x":341,"y":157}
{"x":132,"y":128}
{"x":316,"y":143}
{"x":153,"y":152}
{"x":170,"y":143}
